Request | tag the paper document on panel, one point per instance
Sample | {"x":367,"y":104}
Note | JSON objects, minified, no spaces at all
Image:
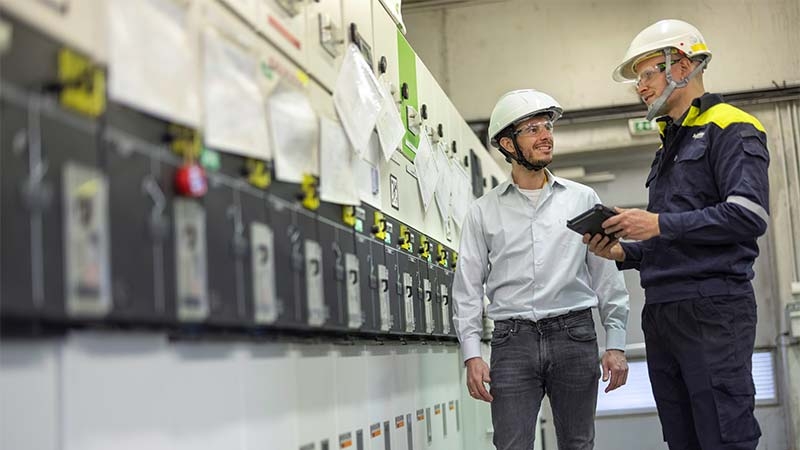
{"x":462,"y":193}
{"x":389,"y":123}
{"x":153,"y":59}
{"x":465,"y":192}
{"x":368,"y":174}
{"x":442,"y":191}
{"x":427,"y":174}
{"x":357,"y":98}
{"x":337,"y":182}
{"x":293,"y":128}
{"x":235,"y":116}
{"x":453,"y":179}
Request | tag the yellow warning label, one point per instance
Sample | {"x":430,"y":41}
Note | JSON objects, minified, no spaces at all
{"x":302,"y":77}
{"x":349,"y":215}
{"x":379,"y":227}
{"x":257,"y":174}
{"x":184,"y":141}
{"x":83,"y":85}
{"x":309,"y":186}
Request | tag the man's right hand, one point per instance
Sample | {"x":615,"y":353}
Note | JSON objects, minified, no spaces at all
{"x":477,"y":375}
{"x":604,"y":247}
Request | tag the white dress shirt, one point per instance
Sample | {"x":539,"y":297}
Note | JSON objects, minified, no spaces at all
{"x":532,"y":266}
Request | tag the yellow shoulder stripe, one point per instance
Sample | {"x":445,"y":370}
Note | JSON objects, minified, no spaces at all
{"x":722,"y":115}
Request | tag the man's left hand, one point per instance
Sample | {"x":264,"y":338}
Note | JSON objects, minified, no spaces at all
{"x":635,"y":224}
{"x":615,"y":367}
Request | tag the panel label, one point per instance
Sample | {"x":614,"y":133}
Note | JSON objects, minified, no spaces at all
{"x":86,"y":242}
{"x":262,"y":259}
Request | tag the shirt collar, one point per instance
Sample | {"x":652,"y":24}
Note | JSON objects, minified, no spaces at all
{"x":552,"y":181}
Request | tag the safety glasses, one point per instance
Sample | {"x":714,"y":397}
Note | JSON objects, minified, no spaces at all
{"x":535,"y":129}
{"x":649,"y":73}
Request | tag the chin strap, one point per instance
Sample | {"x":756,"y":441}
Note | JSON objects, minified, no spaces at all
{"x":520,"y":159}
{"x":656,"y":108}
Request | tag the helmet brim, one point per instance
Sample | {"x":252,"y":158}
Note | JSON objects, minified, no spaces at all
{"x":624,"y":73}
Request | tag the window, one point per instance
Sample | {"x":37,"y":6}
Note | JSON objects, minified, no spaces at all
{"x":764,"y":378}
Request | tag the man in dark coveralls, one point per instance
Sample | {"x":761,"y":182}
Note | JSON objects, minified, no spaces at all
{"x":695,"y":244}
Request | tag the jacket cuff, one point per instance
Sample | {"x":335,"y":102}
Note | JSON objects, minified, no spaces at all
{"x":633,"y":256}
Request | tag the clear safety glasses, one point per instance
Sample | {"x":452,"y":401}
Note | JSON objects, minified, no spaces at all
{"x":535,"y":129}
{"x":651,"y":72}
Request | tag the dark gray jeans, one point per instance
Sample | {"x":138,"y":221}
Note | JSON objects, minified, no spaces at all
{"x":557,"y":357}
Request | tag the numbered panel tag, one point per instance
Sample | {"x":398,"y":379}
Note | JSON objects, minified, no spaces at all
{"x":262,"y":257}
{"x":86,"y":242}
{"x":375,"y":430}
{"x":354,"y":316}
{"x":317,"y":312}
{"x":190,"y":261}
{"x":346,"y":440}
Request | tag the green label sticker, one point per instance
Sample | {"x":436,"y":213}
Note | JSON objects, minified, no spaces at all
{"x":210,"y":159}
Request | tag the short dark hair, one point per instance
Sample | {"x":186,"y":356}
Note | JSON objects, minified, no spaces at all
{"x":505,"y":132}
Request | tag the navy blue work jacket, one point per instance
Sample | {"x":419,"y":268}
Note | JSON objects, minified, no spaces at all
{"x":709,"y":185}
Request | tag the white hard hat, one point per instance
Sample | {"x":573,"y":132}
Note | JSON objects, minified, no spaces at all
{"x":518,"y":105}
{"x":669,"y":33}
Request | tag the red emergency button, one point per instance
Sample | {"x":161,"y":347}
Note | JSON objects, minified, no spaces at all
{"x":190,"y":180}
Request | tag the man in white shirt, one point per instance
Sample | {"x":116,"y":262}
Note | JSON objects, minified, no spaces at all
{"x":541,"y":283}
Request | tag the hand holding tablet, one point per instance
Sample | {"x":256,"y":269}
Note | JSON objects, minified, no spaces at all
{"x":591,"y":220}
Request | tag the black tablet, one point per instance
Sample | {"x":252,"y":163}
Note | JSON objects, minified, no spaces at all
{"x":590,"y":221}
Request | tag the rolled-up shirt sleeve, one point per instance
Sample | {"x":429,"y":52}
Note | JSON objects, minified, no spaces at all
{"x":468,"y":290}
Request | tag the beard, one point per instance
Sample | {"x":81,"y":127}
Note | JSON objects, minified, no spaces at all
{"x":539,"y":163}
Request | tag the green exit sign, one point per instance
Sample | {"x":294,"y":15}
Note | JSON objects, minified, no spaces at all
{"x":642,"y":126}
